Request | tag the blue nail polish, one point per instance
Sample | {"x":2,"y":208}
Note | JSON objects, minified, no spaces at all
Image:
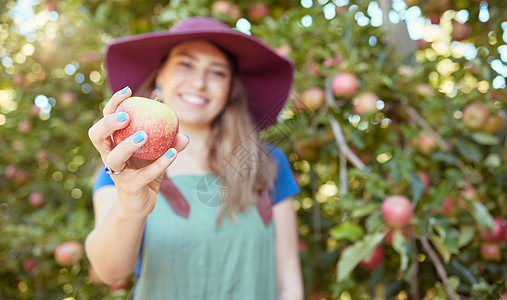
{"x":187,"y":137}
{"x":121,"y":117}
{"x":170,"y":153}
{"x":125,"y":89}
{"x":138,"y":137}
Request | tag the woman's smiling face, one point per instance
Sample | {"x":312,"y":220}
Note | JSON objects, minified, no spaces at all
{"x":195,"y":80}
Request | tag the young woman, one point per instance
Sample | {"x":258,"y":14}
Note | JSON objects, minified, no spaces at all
{"x":212,"y":218}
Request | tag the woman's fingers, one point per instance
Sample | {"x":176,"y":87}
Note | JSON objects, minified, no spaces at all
{"x":118,"y":157}
{"x":116,"y":99}
{"x":153,"y":171}
{"x":181,"y":142}
{"x":101,"y":131}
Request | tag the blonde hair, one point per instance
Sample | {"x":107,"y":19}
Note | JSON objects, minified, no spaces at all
{"x":237,"y":155}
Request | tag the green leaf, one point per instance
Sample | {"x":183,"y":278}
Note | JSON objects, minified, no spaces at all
{"x":364,"y":210}
{"x":356,"y":253}
{"x":416,"y":186}
{"x":441,"y":247}
{"x":480,"y":213}
{"x":400,"y":245}
{"x":347,"y":230}
{"x":469,"y":151}
{"x":485,"y":138}
{"x":466,"y":235}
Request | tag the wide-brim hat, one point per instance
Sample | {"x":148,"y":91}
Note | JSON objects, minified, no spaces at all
{"x":266,"y":75}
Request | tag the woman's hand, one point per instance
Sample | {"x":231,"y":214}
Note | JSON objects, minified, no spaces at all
{"x":138,"y":182}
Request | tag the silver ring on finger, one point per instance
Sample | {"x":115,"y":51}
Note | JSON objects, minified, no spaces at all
{"x":110,"y":171}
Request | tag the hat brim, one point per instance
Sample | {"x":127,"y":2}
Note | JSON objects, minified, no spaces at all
{"x":266,"y":75}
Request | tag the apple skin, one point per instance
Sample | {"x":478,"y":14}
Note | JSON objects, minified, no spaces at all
{"x":284,"y":50}
{"x":496,"y":234}
{"x":460,"y":31}
{"x":365,"y":103}
{"x":29,"y":263}
{"x":68,"y":253}
{"x":36,"y":199}
{"x":10,"y":172}
{"x":397,"y":210}
{"x":475,"y":115}
{"x":495,"y":122}
{"x":491,"y":251}
{"x":226,"y":8}
{"x":344,"y":84}
{"x":157,"y":119}
{"x":426,"y":144}
{"x":313,"y":98}
{"x":376,"y":258}
{"x":258,"y":11}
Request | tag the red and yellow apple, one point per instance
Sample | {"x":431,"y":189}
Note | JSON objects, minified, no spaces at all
{"x":475,"y":115}
{"x":365,"y":103}
{"x":376,"y":258}
{"x":397,"y":210}
{"x":68,"y":253}
{"x":344,"y":84}
{"x":157,"y":119}
{"x":313,"y":98}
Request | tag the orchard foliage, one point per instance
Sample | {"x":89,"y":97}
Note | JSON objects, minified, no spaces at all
{"x":365,"y":123}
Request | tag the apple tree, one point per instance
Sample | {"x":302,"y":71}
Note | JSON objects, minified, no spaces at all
{"x":397,"y":138}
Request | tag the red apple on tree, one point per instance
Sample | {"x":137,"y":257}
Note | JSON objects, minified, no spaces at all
{"x":376,"y":258}
{"x":68,"y":98}
{"x":344,"y":84}
{"x":10,"y":172}
{"x":157,"y":119}
{"x":29,"y":263}
{"x":258,"y":11}
{"x":313,"y":98}
{"x":434,"y":19}
{"x":68,"y":253}
{"x":223,"y":7}
{"x":491,"y":251}
{"x":397,"y":210}
{"x":426,"y":144}
{"x":447,"y":206}
{"x":475,"y":115}
{"x":36,"y":199}
{"x":24,"y":126}
{"x":283,"y":50}
{"x":460,"y":31}
{"x":365,"y":103}
{"x":495,"y":122}
{"x":495,"y":234}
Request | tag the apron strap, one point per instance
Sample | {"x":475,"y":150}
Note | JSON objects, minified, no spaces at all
{"x":264,"y":207}
{"x":174,"y":197}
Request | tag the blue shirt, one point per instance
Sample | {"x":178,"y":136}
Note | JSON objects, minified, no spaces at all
{"x":284,"y":185}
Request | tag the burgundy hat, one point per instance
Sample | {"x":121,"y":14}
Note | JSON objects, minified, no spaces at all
{"x":266,"y":75}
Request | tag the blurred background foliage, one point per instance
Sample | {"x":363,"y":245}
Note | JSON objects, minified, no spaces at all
{"x":390,"y":98}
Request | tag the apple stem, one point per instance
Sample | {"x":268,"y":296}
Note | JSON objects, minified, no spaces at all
{"x":338,"y":133}
{"x":438,"y":265}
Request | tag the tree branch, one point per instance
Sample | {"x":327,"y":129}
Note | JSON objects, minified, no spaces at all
{"x":338,"y":133}
{"x":438,"y":265}
{"x":419,"y":120}
{"x":414,"y":269}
